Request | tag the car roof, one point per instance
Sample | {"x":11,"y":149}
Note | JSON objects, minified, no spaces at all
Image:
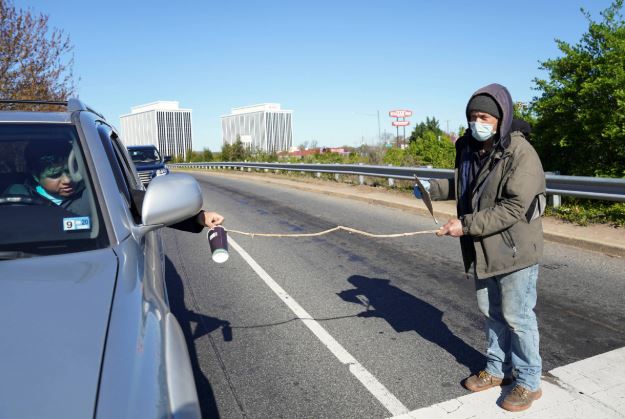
{"x":72,"y":105}
{"x":37,"y":117}
{"x":132,"y":147}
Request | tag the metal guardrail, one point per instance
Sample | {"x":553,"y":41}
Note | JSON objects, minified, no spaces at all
{"x":607,"y":189}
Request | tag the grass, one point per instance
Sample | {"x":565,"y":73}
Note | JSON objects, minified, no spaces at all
{"x":586,"y":211}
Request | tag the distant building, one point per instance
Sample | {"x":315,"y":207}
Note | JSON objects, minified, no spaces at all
{"x":162,"y":124}
{"x":263,"y":127}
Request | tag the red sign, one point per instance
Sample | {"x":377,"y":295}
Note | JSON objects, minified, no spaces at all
{"x":400,"y":113}
{"x":401,"y":123}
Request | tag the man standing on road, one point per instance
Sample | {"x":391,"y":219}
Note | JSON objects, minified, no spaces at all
{"x":499,"y":188}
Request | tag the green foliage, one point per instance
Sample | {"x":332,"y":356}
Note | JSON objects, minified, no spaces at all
{"x":430,"y":125}
{"x":394,"y":156}
{"x":206,"y":155}
{"x":178,"y":158}
{"x":262,"y":156}
{"x":225,"y":152}
{"x":584,"y":212}
{"x":234,"y":151}
{"x":524,"y":112}
{"x":580,"y":127}
{"x":435,"y":150}
{"x":328,"y":158}
{"x":199,"y":156}
{"x":237,"y":151}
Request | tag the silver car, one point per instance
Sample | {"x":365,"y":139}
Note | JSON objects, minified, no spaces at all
{"x":85,"y":325}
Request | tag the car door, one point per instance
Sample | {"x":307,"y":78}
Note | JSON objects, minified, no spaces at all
{"x":133,"y":383}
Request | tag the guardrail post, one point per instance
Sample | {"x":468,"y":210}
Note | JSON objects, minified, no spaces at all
{"x":554,"y":200}
{"x":391,"y":181}
{"x":361,"y":178}
{"x":318,"y":173}
{"x":337,"y":177}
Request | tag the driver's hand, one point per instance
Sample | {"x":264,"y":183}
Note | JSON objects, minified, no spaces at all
{"x":209,"y":219}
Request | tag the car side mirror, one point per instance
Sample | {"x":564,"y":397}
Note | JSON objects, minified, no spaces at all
{"x":169,"y":200}
{"x":166,"y":159}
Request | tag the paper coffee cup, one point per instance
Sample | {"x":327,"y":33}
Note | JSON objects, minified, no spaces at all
{"x":218,"y":241}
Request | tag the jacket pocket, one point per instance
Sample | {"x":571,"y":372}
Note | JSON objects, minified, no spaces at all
{"x":509,"y":241}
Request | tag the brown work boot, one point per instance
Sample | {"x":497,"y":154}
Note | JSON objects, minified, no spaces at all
{"x":483,"y":381}
{"x":520,"y":399}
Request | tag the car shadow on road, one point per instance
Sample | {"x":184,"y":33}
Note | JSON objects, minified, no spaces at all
{"x":405,"y":312}
{"x":194,"y":325}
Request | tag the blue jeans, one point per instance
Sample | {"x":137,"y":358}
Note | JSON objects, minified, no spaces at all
{"x":508,"y":303}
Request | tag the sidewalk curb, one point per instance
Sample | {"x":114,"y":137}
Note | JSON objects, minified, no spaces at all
{"x":583,"y":243}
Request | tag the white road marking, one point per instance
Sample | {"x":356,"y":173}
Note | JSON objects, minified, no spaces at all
{"x":591,"y":388}
{"x":377,"y":389}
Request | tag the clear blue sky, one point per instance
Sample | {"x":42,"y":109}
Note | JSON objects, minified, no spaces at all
{"x":334,"y":63}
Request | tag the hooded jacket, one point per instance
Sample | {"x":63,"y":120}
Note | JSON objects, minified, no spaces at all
{"x":502,"y":232}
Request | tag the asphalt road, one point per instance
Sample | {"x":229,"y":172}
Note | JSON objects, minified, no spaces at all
{"x":400,"y":308}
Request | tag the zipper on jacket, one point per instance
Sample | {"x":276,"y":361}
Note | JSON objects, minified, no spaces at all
{"x":509,"y":241}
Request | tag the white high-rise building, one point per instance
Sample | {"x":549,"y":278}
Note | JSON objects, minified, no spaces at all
{"x":263,"y":127}
{"x":162,"y":124}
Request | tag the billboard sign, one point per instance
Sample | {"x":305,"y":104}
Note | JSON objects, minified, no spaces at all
{"x":400,"y":113}
{"x":400,"y":123}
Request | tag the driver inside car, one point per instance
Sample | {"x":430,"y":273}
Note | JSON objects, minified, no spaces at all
{"x":51,"y":182}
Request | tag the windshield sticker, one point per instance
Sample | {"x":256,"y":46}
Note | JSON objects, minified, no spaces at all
{"x":76,"y":223}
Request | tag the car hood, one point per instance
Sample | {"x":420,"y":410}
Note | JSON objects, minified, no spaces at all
{"x":54,"y":313}
{"x":149,"y":166}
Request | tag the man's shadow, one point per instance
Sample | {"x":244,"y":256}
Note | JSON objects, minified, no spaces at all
{"x":405,"y":312}
{"x":203,"y":326}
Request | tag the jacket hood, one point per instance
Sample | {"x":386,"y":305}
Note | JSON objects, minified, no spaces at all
{"x":502,"y":97}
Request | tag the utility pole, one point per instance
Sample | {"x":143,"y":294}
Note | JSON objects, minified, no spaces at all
{"x":379,"y":131}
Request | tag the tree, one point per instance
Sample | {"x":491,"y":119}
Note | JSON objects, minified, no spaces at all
{"x":580,"y":128}
{"x":237,"y":151}
{"x":206,"y":155}
{"x":35,"y":61}
{"x":430,"y":125}
{"x":435,"y":150}
{"x":225,"y":152}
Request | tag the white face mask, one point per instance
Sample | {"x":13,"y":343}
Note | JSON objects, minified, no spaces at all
{"x":480,"y":131}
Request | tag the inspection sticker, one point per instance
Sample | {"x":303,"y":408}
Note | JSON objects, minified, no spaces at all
{"x":76,"y":223}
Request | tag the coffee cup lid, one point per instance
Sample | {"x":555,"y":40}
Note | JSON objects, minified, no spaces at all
{"x":220,"y":255}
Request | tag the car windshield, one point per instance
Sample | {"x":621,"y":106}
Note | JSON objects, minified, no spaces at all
{"x":144,"y":155}
{"x":47,"y":204}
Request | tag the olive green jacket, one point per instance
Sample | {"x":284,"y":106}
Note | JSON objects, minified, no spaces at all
{"x":508,"y":198}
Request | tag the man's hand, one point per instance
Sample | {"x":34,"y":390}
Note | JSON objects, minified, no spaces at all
{"x":453,"y":228}
{"x":209,"y":219}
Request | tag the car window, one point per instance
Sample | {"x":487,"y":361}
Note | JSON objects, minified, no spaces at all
{"x":106,"y":134}
{"x":129,"y":168}
{"x":47,"y":204}
{"x":144,"y":155}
